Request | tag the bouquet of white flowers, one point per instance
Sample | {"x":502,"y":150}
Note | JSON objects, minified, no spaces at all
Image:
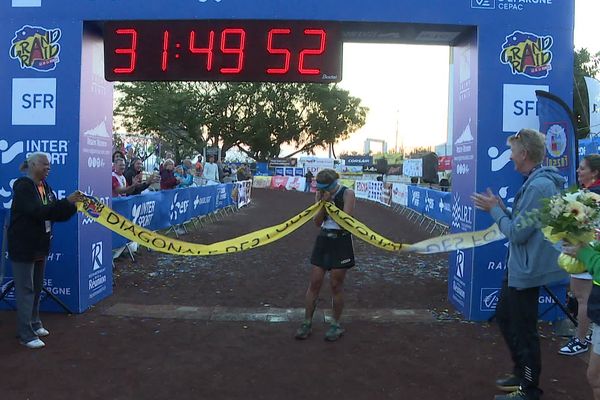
{"x":571,"y":217}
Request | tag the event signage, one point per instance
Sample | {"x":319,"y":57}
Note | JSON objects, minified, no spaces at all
{"x":282,"y":162}
{"x":61,"y":52}
{"x":413,"y":167}
{"x":593,"y":89}
{"x":357,"y":161}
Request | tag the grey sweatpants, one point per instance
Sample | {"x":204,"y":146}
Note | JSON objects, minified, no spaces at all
{"x":29,"y":278}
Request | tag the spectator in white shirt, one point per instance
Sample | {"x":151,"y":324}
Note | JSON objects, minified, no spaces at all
{"x":211,"y":171}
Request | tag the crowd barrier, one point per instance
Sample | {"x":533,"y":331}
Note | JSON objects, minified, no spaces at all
{"x":171,"y":208}
{"x":423,"y":205}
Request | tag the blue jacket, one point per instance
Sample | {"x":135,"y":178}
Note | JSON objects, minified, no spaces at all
{"x":532,"y":260}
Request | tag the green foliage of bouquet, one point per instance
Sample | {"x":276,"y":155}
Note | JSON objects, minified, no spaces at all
{"x":572,"y":217}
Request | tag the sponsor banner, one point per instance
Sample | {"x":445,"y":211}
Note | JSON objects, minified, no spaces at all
{"x":416,"y":199}
{"x":413,"y":167}
{"x":520,"y":109}
{"x":349,"y":169}
{"x":279,"y":182}
{"x":400,"y":194}
{"x":289,"y":171}
{"x":282,"y":162}
{"x":593,"y":89}
{"x":261,"y":182}
{"x":243,"y":192}
{"x":445,"y":163}
{"x":36,"y":48}
{"x":375,"y":191}
{"x":357,"y":161}
{"x":528,"y":54}
{"x":361,"y":189}
{"x":438,"y":205}
{"x":315,"y":164}
{"x":34,"y":101}
{"x":558,"y":124}
{"x":280,"y":171}
{"x":296,"y":183}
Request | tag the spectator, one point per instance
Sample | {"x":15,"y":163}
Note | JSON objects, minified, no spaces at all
{"x":211,"y":171}
{"x":167,"y":176}
{"x":309,"y":177}
{"x":227,"y":174}
{"x":414,"y":181}
{"x":532,"y":262}
{"x":199,"y":166}
{"x":591,"y":259}
{"x":444,"y":184}
{"x":588,"y":175}
{"x":33,"y":210}
{"x":115,"y":156}
{"x":135,"y":174}
{"x":185,"y":179}
{"x":130,"y":154}
{"x":243,"y":173}
{"x":119,"y":182}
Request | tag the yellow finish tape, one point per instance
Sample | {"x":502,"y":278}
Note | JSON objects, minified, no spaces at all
{"x":440,"y":244}
{"x":119,"y":224}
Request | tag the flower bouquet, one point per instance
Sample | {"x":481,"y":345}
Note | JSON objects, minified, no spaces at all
{"x":571,"y":217}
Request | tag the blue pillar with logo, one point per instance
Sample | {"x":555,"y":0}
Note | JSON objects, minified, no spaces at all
{"x":60,"y":104}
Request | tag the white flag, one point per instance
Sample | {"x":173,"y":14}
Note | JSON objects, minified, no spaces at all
{"x":593,"y":88}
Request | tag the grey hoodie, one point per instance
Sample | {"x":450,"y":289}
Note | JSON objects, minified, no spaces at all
{"x":532,"y":260}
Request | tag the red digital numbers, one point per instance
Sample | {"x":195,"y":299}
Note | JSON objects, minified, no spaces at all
{"x":312,"y":52}
{"x":284,"y":52}
{"x":235,"y":50}
{"x":204,"y":50}
{"x":303,"y":53}
{"x":131,"y":51}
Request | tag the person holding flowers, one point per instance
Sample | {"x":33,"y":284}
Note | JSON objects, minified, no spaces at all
{"x":588,"y":176}
{"x":532,"y":262}
{"x":590,"y":256}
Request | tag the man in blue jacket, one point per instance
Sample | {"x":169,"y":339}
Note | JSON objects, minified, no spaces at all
{"x":532,"y":262}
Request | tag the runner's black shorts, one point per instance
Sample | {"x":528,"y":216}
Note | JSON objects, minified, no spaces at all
{"x":333,"y":250}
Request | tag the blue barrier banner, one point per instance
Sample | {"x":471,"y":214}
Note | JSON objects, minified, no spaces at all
{"x":161,"y":210}
{"x":203,"y":200}
{"x":179,"y":207}
{"x":438,"y":205}
{"x":416,"y":199}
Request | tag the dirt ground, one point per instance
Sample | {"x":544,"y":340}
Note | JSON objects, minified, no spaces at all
{"x":101,"y":356}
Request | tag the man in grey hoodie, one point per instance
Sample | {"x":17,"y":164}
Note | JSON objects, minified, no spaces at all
{"x":532,"y":262}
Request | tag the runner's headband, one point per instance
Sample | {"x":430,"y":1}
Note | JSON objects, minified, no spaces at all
{"x":327,"y":186}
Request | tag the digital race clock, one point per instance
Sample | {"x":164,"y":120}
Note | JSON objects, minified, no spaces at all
{"x":217,"y":50}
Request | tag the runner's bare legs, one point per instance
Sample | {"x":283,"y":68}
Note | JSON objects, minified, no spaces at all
{"x":337,"y":292}
{"x":317,"y":275}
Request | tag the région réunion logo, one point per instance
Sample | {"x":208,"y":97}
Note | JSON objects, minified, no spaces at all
{"x":528,"y":54}
{"x":36,"y":48}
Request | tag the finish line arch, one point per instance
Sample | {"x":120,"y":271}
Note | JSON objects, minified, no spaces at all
{"x":55,"y":99}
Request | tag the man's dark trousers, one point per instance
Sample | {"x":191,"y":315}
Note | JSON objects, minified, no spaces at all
{"x":517,"y":314}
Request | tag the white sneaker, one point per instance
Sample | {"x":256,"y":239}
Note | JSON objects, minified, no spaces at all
{"x":42,"y":332}
{"x":34,"y":344}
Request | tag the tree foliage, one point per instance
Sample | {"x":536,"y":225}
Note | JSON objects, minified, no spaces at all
{"x":585,"y":64}
{"x":256,"y":118}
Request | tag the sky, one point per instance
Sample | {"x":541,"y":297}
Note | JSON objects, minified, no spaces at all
{"x":408,"y":99}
